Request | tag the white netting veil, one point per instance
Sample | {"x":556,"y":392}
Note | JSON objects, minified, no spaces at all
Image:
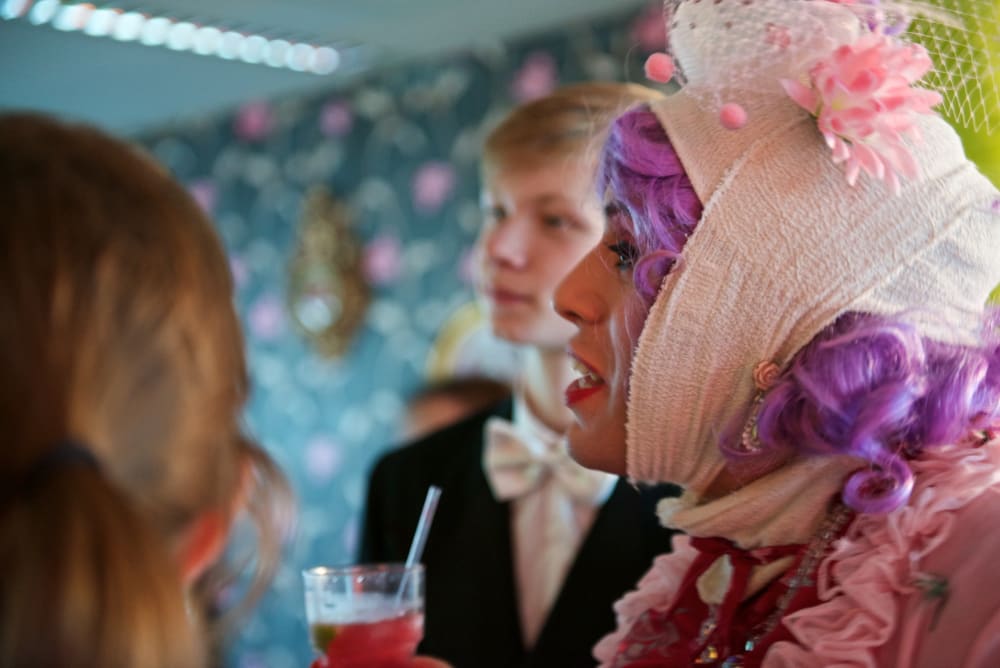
{"x":784,"y":37}
{"x":963,"y":39}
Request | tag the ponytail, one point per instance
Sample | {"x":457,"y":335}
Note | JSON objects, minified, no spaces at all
{"x":88,"y":583}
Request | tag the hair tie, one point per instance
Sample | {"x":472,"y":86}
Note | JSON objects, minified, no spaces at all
{"x":66,"y":453}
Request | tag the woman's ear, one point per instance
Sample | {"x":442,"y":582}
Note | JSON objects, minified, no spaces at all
{"x":201,"y":544}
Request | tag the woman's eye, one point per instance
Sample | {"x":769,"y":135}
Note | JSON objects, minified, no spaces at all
{"x":627,"y":254}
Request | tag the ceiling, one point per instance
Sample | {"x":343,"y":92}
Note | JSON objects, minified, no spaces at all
{"x":128,"y":88}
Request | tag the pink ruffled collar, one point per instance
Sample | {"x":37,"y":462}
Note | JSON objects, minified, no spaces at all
{"x":877,"y":562}
{"x":868,"y":569}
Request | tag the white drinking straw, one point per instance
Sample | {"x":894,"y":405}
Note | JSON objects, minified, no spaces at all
{"x":419,"y":537}
{"x":423,"y":526}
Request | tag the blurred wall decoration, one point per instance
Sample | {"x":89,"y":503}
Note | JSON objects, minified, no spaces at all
{"x":327,"y":291}
{"x":400,"y":150}
{"x":465,"y":346}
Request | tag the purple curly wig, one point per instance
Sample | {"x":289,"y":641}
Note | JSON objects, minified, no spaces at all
{"x":647,"y":180}
{"x":867,"y":386}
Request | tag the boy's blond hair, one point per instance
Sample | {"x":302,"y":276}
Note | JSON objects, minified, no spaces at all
{"x":572,"y":121}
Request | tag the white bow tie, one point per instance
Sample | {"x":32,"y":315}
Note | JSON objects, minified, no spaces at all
{"x":518,"y":462}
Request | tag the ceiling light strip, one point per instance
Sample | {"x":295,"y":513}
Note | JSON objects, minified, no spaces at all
{"x":198,"y":38}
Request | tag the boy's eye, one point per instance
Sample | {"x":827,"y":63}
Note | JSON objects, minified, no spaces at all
{"x":627,"y":254}
{"x":495,"y":213}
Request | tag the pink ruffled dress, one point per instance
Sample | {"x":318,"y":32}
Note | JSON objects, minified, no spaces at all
{"x":918,"y":587}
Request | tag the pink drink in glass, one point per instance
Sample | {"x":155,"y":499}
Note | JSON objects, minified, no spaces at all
{"x":365,"y":616}
{"x":385,"y":643}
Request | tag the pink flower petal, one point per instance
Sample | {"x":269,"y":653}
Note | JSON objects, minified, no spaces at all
{"x":869,"y":160}
{"x":865,"y":82}
{"x":841,"y":151}
{"x":893,"y":182}
{"x":803,"y":96}
{"x":901,"y":160}
{"x":852,"y":170}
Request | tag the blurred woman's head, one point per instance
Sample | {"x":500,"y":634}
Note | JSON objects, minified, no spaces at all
{"x":121,"y":339}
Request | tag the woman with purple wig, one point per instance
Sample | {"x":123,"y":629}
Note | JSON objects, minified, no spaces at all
{"x":786,"y":316}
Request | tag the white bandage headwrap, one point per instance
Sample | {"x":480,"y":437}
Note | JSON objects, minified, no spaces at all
{"x":785,"y":246}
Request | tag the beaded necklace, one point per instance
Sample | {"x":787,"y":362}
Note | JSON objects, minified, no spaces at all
{"x":817,"y":549}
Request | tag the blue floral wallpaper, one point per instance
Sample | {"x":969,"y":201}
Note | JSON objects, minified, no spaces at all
{"x":400,"y":147}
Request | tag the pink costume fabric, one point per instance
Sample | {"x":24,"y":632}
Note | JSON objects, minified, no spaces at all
{"x":883,"y":601}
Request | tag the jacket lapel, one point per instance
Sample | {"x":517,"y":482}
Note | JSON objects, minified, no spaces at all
{"x":616,"y":552}
{"x":469,"y":552}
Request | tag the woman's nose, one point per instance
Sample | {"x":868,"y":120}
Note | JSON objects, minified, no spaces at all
{"x":575,"y":298}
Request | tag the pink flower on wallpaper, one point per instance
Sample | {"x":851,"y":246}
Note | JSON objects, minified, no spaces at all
{"x":241,"y":273}
{"x":204,"y":193}
{"x":252,"y":661}
{"x":432,"y":186}
{"x":267,"y":317}
{"x":336,"y":118}
{"x":383,"y":260}
{"x":254,"y":121}
{"x":468,"y":266}
{"x":324,"y":458}
{"x":537,"y":77}
{"x":649,"y":29}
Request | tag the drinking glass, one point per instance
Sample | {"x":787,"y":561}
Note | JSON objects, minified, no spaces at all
{"x":366,"y":616}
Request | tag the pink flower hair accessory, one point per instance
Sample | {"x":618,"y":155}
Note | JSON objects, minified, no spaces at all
{"x":865,"y":102}
{"x":765,"y":375}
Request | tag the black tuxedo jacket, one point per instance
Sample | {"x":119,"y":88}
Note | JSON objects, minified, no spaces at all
{"x":472,"y":618}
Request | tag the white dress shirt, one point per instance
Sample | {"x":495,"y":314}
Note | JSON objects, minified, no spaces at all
{"x":552,"y":508}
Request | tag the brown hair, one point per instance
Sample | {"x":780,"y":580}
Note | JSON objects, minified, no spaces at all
{"x":573,"y":119}
{"x":118,"y":332}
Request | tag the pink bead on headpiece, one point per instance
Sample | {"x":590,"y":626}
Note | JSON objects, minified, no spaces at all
{"x":659,"y":67}
{"x":732,"y":116}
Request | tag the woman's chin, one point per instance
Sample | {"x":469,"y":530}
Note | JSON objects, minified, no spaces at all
{"x":592,"y":453}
